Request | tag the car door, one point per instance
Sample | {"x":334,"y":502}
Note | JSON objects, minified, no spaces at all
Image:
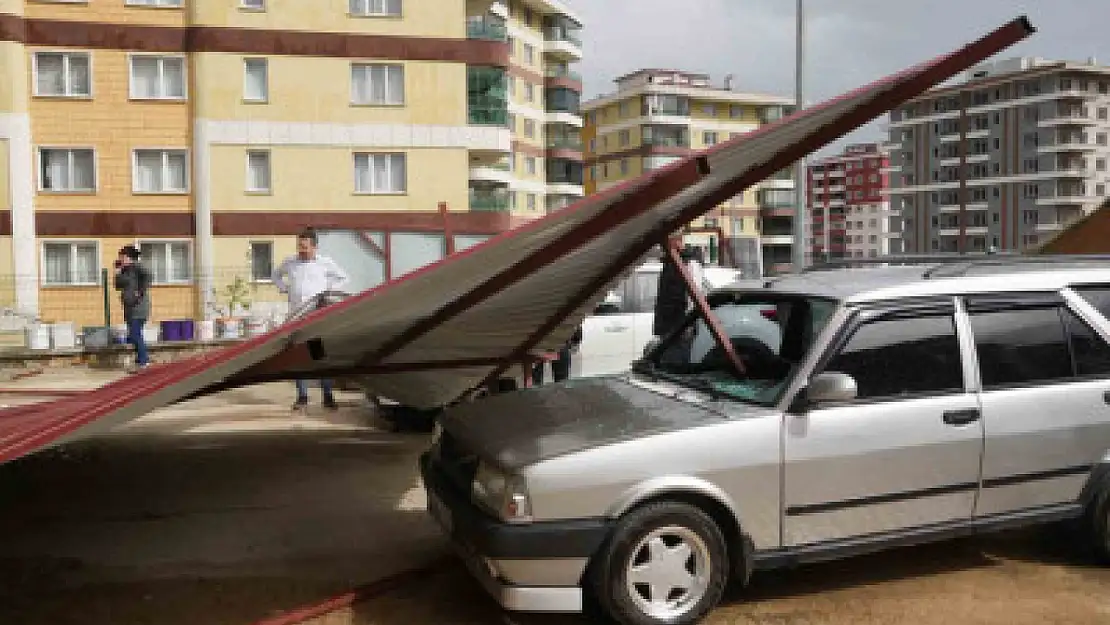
{"x":1045,"y":377}
{"x":905,"y":453}
{"x":607,"y":339}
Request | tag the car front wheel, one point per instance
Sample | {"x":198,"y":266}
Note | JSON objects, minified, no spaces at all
{"x":666,"y":564}
{"x":1098,"y":521}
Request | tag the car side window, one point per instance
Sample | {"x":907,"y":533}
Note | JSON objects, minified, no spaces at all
{"x":1018,"y":347}
{"x":1097,"y":296}
{"x":902,"y":356}
{"x":639,"y":292}
{"x":1089,"y":352}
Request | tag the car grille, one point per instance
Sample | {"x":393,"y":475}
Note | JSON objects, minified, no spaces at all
{"x":455,"y":463}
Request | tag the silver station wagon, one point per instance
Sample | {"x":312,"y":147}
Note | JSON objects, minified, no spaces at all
{"x":900,"y":404}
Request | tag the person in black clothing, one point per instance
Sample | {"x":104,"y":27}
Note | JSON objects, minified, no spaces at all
{"x":560,"y":367}
{"x":133,"y":283}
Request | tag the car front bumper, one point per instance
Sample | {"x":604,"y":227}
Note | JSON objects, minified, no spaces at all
{"x":536,"y":567}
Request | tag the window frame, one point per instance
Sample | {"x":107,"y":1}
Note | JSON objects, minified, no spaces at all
{"x":367,"y":14}
{"x":165,"y":152}
{"x":261,"y":8}
{"x":354,"y":170}
{"x":65,"y":54}
{"x":910,"y":309}
{"x":68,"y":148}
{"x":250,"y":247}
{"x":366,"y":65}
{"x":72,"y":243}
{"x":161,"y":57}
{"x":269,"y":172}
{"x":152,"y":4}
{"x":247,"y":60}
{"x":167,"y":241}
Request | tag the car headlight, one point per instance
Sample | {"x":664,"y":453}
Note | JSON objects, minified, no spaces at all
{"x":502,"y":493}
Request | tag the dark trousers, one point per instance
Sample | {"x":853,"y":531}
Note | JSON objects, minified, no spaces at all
{"x":135,"y":337}
{"x":325,"y":387}
{"x":560,"y":368}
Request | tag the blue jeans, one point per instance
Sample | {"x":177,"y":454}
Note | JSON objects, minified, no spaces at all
{"x":135,"y":337}
{"x":325,"y":386}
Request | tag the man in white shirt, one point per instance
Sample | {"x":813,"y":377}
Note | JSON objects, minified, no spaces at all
{"x":303,"y":277}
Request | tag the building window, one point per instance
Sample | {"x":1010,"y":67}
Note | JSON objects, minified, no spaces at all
{"x":624,"y":166}
{"x":154,"y":3}
{"x":253,"y":5}
{"x":160,"y":171}
{"x":709,"y":110}
{"x":262,"y":261}
{"x":67,"y":170}
{"x":258,"y":171}
{"x":1100,"y":164}
{"x":169,"y":262}
{"x":256,"y":81}
{"x":531,"y":202}
{"x":1102,"y":113}
{"x":625,"y":138}
{"x":529,"y":92}
{"x":375,"y":8}
{"x":709,"y":138}
{"x":529,"y":54}
{"x":529,"y":128}
{"x":377,"y":84}
{"x":530,"y":165}
{"x":157,"y":77}
{"x":735,"y":111}
{"x":593,"y":145}
{"x":62,"y":74}
{"x":68,"y":263}
{"x":380,"y":173}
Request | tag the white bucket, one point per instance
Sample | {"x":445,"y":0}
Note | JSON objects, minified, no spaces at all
{"x":206,"y":331}
{"x":119,"y":333}
{"x":231,"y":329}
{"x":63,"y":336}
{"x":151,"y":333}
{"x":38,"y":336}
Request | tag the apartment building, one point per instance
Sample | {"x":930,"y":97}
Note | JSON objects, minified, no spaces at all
{"x":209,"y":132}
{"x":848,"y":205}
{"x":543,"y":172}
{"x":1004,"y":160}
{"x":656,"y":116}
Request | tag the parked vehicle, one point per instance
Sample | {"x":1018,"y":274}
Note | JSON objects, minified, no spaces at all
{"x":898,"y":405}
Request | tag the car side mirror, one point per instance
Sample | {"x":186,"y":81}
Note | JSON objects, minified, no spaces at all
{"x":831,"y":387}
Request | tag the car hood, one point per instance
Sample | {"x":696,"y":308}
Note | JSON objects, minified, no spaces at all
{"x":524,"y":427}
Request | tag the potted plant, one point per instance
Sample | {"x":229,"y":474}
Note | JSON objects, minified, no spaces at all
{"x":237,"y":296}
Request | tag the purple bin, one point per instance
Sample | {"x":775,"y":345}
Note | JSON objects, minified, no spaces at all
{"x":171,"y":330}
{"x":188,"y":329}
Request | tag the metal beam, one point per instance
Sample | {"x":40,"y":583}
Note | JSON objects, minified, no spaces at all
{"x":705,"y":311}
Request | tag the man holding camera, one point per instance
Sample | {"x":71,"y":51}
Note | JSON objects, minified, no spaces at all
{"x":133,"y":283}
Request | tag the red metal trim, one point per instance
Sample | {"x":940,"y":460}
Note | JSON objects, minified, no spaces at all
{"x":658,"y":189}
{"x":448,"y":233}
{"x":705,"y":311}
{"x":913,"y":84}
{"x":387,"y":239}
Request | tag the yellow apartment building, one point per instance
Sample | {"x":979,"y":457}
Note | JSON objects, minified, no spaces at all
{"x":657,"y":116}
{"x":209,"y":132}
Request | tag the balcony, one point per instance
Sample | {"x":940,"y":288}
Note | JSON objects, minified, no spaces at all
{"x":556,"y":71}
{"x":1067,"y":143}
{"x":1068,"y":116}
{"x":562,"y":42}
{"x":494,"y":173}
{"x":489,"y":202}
{"x":555,"y":142}
{"x":677,"y":142}
{"x":835,"y":173}
{"x":486,"y":29}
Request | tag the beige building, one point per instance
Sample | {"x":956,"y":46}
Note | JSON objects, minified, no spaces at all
{"x":657,"y":116}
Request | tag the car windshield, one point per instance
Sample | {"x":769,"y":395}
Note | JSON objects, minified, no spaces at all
{"x":770,"y":333}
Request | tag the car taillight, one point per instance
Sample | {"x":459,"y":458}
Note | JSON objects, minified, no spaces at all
{"x":769,"y":313}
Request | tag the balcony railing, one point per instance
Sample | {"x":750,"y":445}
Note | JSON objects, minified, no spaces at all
{"x":555,"y":33}
{"x":564,"y":143}
{"x":488,"y":115}
{"x":667,"y":142}
{"x":489,"y":203}
{"x":562,"y":72}
{"x":486,"y":30}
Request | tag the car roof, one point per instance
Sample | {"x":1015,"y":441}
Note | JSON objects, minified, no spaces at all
{"x":888,"y":280}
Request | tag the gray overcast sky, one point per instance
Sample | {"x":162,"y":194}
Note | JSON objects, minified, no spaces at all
{"x":850,"y":42}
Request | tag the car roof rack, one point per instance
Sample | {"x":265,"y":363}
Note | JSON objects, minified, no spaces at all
{"x":953,"y":265}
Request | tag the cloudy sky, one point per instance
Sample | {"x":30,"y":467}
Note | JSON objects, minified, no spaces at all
{"x":850,"y":42}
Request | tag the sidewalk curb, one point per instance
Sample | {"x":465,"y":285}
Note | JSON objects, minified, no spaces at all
{"x":366,"y":592}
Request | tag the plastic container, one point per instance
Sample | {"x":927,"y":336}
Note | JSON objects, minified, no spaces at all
{"x":230,"y":329}
{"x":257,"y":326}
{"x":95,"y":337}
{"x":151,"y":333}
{"x":206,"y":331}
{"x":119,"y":333}
{"x":188,"y":329}
{"x":63,"y":336}
{"x":37,"y":336}
{"x":171,"y":331}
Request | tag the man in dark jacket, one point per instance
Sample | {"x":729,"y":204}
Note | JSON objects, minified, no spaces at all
{"x":560,"y":367}
{"x":133,"y":283}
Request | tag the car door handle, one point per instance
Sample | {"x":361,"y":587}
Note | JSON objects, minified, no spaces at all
{"x":961,"y":417}
{"x":1106,"y":397}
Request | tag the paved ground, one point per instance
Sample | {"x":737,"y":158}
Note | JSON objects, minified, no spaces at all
{"x":227,"y":510}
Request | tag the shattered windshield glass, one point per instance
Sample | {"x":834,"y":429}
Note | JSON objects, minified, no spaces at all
{"x":771,"y":335}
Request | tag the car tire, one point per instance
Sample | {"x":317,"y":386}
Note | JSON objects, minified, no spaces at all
{"x":689,"y":551}
{"x":1098,"y":523}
